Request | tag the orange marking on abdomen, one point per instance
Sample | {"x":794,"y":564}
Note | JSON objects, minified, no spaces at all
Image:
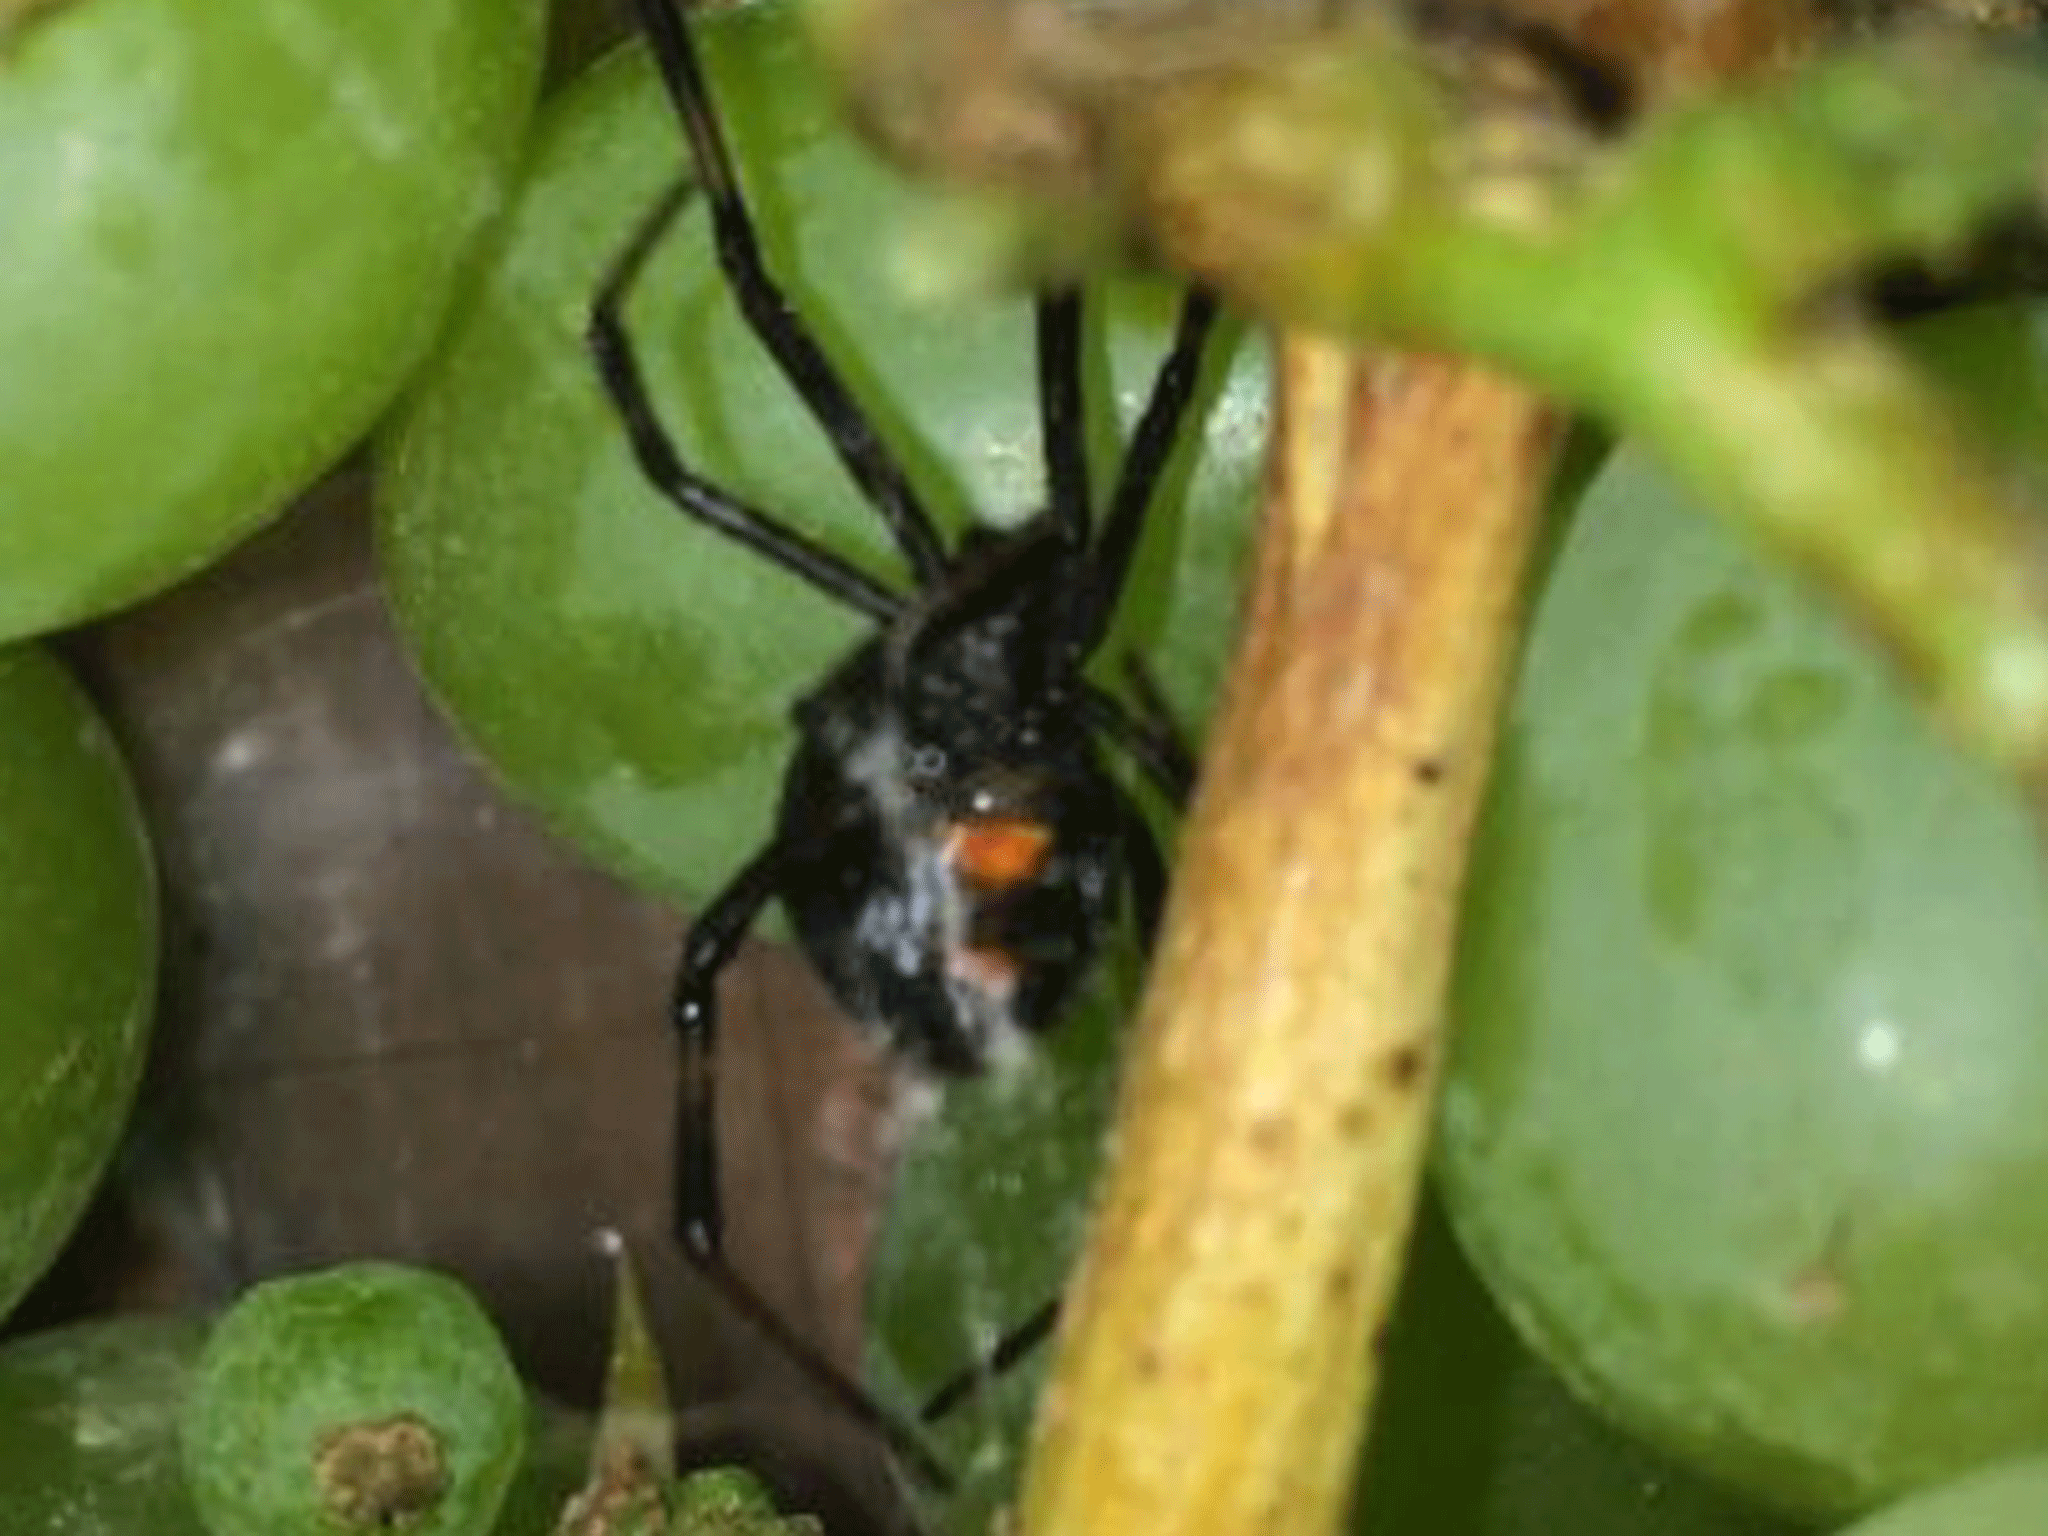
{"x":991,"y":968}
{"x":997,"y":852}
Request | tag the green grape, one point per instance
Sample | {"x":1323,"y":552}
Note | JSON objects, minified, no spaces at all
{"x":630,"y":671}
{"x":1747,"y":1122}
{"x":89,"y":1442}
{"x":78,"y":949}
{"x":88,"y":1429}
{"x":89,"y":1436}
{"x":1474,"y":1436}
{"x":366,"y":1398}
{"x":231,"y":232}
{"x":2009,"y":1499}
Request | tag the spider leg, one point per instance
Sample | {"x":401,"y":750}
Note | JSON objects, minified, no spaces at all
{"x":1147,"y":869}
{"x":700,"y":1216}
{"x":618,"y":365}
{"x":781,"y":330}
{"x":1062,"y":427}
{"x":1156,"y":717}
{"x":1154,"y":742}
{"x":1011,"y":1348}
{"x":1152,"y":440}
{"x":1148,"y":899}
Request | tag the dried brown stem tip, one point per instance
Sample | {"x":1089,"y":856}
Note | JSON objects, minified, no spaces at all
{"x":382,"y":1474}
{"x":1033,"y":95}
{"x":1216,"y":1365}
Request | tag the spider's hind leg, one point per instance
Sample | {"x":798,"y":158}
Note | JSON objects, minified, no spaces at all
{"x":713,"y":940}
{"x":1147,"y":869}
{"x":1012,"y":1348}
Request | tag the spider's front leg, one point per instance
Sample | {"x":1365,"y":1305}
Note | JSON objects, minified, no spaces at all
{"x":780,"y":327}
{"x":661,"y":462}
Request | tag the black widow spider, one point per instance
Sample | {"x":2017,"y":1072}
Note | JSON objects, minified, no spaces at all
{"x":950,"y":847}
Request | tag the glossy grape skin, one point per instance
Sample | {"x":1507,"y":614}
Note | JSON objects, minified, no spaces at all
{"x":1747,"y":1122}
{"x":78,"y":953}
{"x":231,"y":232}
{"x":2008,"y":1499}
{"x":631,"y":672}
{"x":127,"y":1378}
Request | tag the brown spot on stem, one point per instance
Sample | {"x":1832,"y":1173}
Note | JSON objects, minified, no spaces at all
{"x":988,"y":966}
{"x":1340,"y":1285}
{"x":1271,"y":1135}
{"x":1429,"y":770}
{"x":1404,"y":1067}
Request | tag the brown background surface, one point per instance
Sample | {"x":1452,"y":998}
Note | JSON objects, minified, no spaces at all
{"x":399,"y":1019}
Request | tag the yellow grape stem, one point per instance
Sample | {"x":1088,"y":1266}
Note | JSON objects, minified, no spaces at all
{"x":1216,"y":1362}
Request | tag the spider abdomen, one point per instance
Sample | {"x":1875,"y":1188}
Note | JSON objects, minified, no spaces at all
{"x":949,"y":884}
